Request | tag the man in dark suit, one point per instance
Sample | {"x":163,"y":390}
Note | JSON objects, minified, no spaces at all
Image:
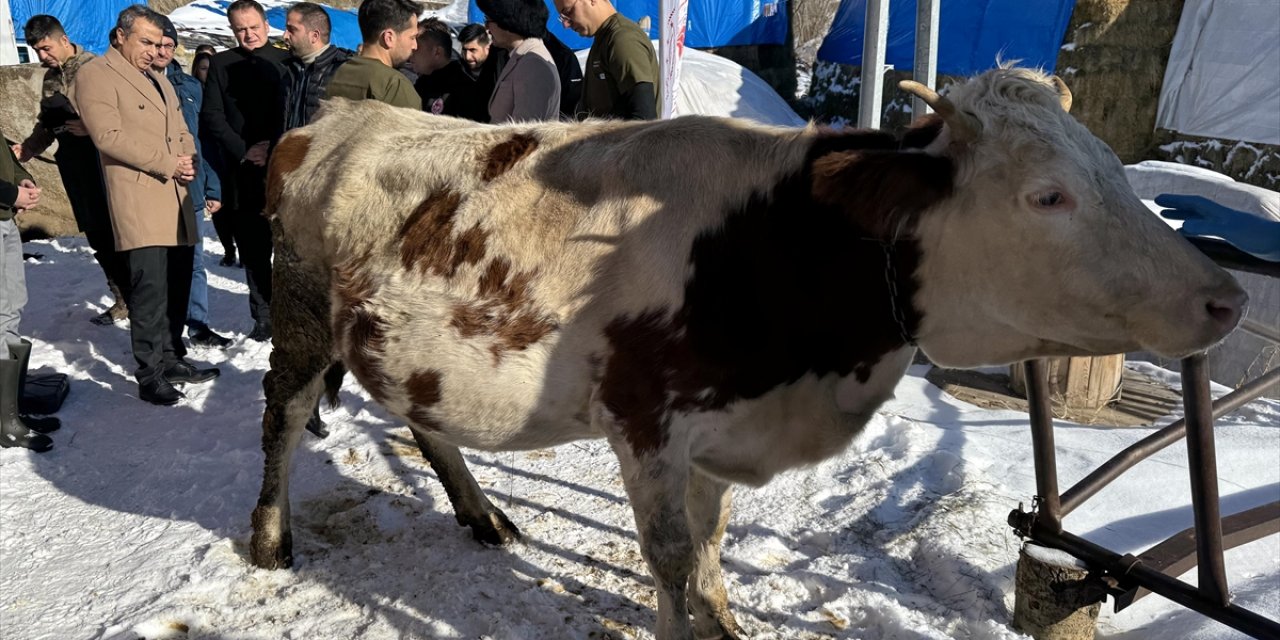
{"x":243,"y":114}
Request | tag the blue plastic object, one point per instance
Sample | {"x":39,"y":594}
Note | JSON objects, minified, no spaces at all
{"x":971,"y":34}
{"x":1251,"y":234}
{"x":712,"y":23}
{"x":87,"y":22}
{"x":345,"y":31}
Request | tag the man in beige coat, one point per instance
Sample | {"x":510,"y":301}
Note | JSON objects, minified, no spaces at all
{"x":135,"y":120}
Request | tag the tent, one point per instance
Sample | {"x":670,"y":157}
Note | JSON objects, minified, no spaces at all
{"x":87,"y":22}
{"x":1222,"y":79}
{"x":210,"y":17}
{"x":972,"y":33}
{"x":712,"y":23}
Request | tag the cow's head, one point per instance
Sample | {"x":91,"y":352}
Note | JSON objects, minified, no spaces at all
{"x":1043,"y":248}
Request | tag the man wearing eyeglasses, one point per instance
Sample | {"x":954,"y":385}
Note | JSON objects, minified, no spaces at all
{"x":620,"y":79}
{"x":148,"y":159}
{"x":76,"y":156}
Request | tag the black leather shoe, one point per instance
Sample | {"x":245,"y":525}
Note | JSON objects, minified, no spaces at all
{"x":42,"y":424}
{"x":316,"y":426}
{"x":261,"y":331}
{"x":160,"y":392}
{"x":183,"y":371}
{"x":205,"y":337}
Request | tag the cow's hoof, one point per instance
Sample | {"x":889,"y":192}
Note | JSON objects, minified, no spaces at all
{"x":494,"y":529}
{"x":722,"y":627}
{"x":267,"y":549}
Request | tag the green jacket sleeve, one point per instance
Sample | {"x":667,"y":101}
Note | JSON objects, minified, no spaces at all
{"x":11,"y":175}
{"x":399,"y":93}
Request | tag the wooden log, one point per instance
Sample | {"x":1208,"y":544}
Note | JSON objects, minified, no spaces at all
{"x":1077,"y":384}
{"x":1054,"y":598}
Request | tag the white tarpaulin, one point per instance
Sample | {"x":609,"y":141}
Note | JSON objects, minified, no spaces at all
{"x":1223,"y":78}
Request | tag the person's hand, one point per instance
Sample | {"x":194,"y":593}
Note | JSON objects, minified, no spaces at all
{"x":185,"y":172}
{"x":21,"y":152}
{"x":28,"y":196}
{"x":76,"y":127}
{"x":257,"y":154}
{"x":1252,"y":234}
{"x":212,"y":206}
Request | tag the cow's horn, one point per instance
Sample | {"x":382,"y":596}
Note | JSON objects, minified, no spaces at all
{"x":1064,"y":94}
{"x":964,"y":126}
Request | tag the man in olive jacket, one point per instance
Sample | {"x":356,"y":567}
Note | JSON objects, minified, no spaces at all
{"x":390,"y":32}
{"x":17,"y":192}
{"x":147,"y":155}
{"x":76,"y":156}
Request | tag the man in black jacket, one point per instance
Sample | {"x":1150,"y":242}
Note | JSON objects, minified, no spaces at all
{"x":243,"y":114}
{"x":461,"y":87}
{"x":312,"y":65}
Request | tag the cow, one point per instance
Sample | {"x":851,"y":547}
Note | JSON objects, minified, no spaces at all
{"x":721,"y":300}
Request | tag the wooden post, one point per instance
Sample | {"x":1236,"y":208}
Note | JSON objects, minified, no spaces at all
{"x":1077,"y":383}
{"x":1054,"y":598}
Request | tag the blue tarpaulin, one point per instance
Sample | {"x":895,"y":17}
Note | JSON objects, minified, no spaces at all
{"x":712,"y":23}
{"x":345,"y":31}
{"x":971,"y":33}
{"x":87,"y":22}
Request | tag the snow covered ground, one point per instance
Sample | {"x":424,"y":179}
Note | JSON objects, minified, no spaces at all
{"x":136,"y":524}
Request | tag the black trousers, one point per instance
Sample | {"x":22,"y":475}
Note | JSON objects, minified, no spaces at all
{"x":247,"y":198}
{"x":78,"y":164}
{"x":158,"y":289}
{"x":253,"y":239}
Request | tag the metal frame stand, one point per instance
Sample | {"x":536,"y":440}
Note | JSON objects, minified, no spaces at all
{"x":1131,"y":577}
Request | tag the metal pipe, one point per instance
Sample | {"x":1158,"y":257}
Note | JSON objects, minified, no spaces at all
{"x":1177,"y":555}
{"x":1042,"y":444}
{"x":874,"y":34}
{"x":1130,"y":571}
{"x":1150,"y":445}
{"x":925,"y":68}
{"x":1203,"y":461}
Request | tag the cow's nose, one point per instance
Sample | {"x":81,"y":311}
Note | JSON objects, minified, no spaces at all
{"x":1225,"y":309}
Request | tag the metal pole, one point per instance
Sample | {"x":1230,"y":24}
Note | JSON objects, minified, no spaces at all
{"x":925,"y":69}
{"x":1050,"y":509}
{"x":1148,"y":446}
{"x":1204,"y":478}
{"x":871,"y":93}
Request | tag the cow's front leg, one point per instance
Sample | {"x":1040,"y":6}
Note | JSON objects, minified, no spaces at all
{"x":708,"y":505}
{"x":470,"y":506}
{"x":655,"y":480}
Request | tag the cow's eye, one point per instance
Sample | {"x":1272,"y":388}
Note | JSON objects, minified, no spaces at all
{"x":1050,"y":199}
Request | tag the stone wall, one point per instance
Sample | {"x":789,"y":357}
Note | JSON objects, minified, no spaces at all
{"x":19,"y":103}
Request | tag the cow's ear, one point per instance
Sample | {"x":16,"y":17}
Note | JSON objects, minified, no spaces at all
{"x":879,"y":188}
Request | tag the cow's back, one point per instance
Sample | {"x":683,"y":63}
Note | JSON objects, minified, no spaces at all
{"x":474,"y":267}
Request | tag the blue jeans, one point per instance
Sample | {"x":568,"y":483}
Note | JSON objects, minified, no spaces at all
{"x":198,"y":304}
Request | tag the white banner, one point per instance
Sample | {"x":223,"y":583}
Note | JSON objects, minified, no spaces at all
{"x":675,"y":13}
{"x":8,"y":39}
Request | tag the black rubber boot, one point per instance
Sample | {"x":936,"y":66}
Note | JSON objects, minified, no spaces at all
{"x":13,"y":432}
{"x":48,"y":424}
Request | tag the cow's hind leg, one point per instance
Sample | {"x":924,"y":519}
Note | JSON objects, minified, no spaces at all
{"x":302,"y":365}
{"x":707,"y":503}
{"x":470,"y":506}
{"x":289,"y":407}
